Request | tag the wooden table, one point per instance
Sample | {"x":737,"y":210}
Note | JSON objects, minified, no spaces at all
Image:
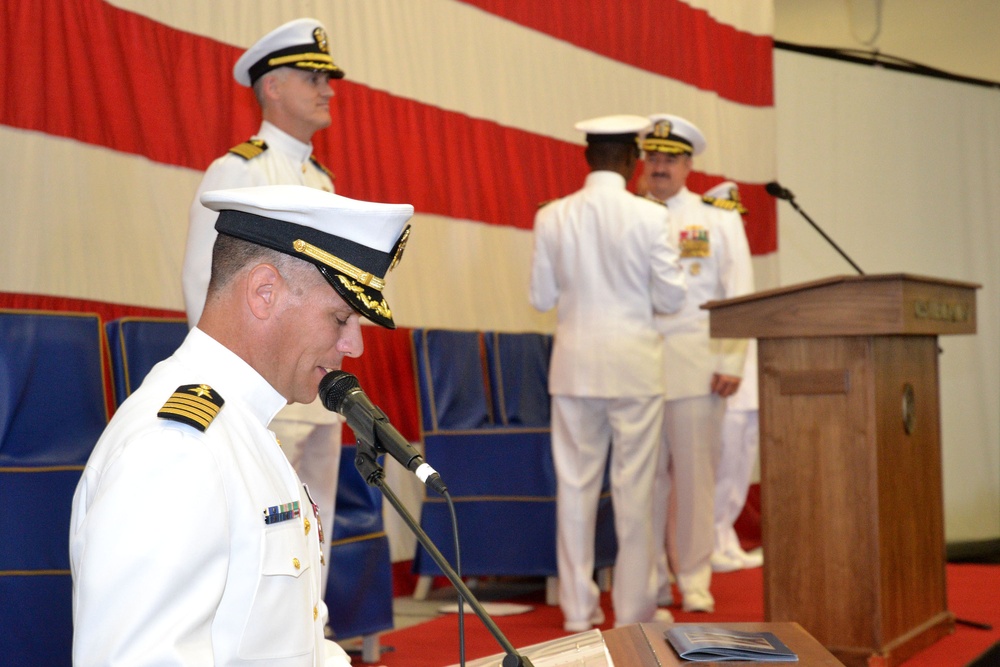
{"x":643,"y":644}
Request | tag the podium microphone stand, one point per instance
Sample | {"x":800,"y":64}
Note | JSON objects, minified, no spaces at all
{"x":366,"y":463}
{"x":775,"y":190}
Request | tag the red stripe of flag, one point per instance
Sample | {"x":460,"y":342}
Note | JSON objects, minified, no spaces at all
{"x":661,"y":36}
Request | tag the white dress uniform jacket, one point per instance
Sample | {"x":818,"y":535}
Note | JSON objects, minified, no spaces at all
{"x":172,"y":560}
{"x":601,"y":273}
{"x":716,"y":259}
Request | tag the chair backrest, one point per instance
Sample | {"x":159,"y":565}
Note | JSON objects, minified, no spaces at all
{"x":52,"y":412}
{"x":52,"y":407}
{"x":139,"y":343}
{"x":451,"y":380}
{"x":519,"y":372}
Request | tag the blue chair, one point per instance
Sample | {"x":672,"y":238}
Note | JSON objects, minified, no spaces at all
{"x":139,"y":343}
{"x":52,"y":412}
{"x":359,"y":587}
{"x":492,"y":450}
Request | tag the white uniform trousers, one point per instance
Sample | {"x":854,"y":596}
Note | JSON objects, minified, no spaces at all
{"x":740,"y":442}
{"x":314,"y":452}
{"x":582,"y":430}
{"x":691,"y":447}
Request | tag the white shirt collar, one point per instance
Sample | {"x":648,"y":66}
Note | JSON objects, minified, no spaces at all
{"x":605,"y":179}
{"x":230,"y":376}
{"x":682,"y":197}
{"x":282,"y":141}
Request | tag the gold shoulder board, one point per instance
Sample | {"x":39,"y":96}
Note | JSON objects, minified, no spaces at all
{"x":248,"y":150}
{"x":727,"y":204}
{"x":192,"y":404}
{"x":321,"y":167}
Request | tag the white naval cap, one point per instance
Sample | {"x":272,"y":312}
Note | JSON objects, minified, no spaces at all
{"x":353,"y":243}
{"x":621,"y":128}
{"x":301,"y":43}
{"x":673,"y":134}
{"x":726,"y":191}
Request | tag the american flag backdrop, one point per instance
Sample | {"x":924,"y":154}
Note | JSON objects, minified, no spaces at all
{"x":110,"y":110}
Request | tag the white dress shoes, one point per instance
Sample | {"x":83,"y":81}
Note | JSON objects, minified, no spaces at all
{"x":596,"y":618}
{"x":736,"y":559}
{"x":725,"y":562}
{"x":663,"y":616}
{"x":752,"y":559}
{"x":698,"y":601}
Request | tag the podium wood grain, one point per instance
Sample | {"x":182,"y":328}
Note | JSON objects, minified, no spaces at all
{"x":851,"y":497}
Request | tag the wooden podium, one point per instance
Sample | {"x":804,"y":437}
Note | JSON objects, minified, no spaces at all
{"x":851,"y":500}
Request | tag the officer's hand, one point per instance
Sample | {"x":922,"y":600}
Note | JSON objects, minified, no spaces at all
{"x":725,"y":385}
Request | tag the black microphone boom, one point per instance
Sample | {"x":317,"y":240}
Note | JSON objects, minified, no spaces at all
{"x":775,"y":190}
{"x":371,"y":472}
{"x":341,"y":393}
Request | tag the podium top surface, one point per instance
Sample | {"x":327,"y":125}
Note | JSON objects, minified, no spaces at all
{"x":645,"y":644}
{"x":884,"y":304}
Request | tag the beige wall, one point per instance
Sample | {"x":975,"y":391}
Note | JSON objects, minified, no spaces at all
{"x":903,"y":172}
{"x":958,"y":36}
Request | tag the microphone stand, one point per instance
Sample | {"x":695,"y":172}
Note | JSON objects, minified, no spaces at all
{"x":791,"y":200}
{"x":371,"y":471}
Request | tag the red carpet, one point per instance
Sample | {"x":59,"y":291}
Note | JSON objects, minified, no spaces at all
{"x":973,"y":594}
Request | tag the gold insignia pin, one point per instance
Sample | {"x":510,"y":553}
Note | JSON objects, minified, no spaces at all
{"x":321,"y":42}
{"x":400,"y":246}
{"x":202,"y":391}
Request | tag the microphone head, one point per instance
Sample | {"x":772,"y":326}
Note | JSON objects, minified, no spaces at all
{"x":775,"y":190}
{"x":334,"y":388}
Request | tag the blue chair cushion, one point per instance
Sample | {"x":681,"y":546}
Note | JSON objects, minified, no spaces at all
{"x":52,"y":392}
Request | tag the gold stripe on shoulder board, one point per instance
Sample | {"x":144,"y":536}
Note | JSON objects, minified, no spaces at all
{"x":248,"y":150}
{"x":726,"y":204}
{"x":192,"y":404}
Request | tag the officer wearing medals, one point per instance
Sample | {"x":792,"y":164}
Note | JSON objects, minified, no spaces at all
{"x":603,"y":259}
{"x":289,"y":70}
{"x":192,"y":539}
{"x":700,"y":372}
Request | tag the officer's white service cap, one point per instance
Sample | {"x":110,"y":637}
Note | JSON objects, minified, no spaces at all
{"x":726,"y":192}
{"x":353,"y":243}
{"x":673,"y":134}
{"x":621,"y":128}
{"x":301,"y":44}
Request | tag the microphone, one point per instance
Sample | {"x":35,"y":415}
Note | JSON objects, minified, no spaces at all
{"x":775,"y":190}
{"x":341,"y":393}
